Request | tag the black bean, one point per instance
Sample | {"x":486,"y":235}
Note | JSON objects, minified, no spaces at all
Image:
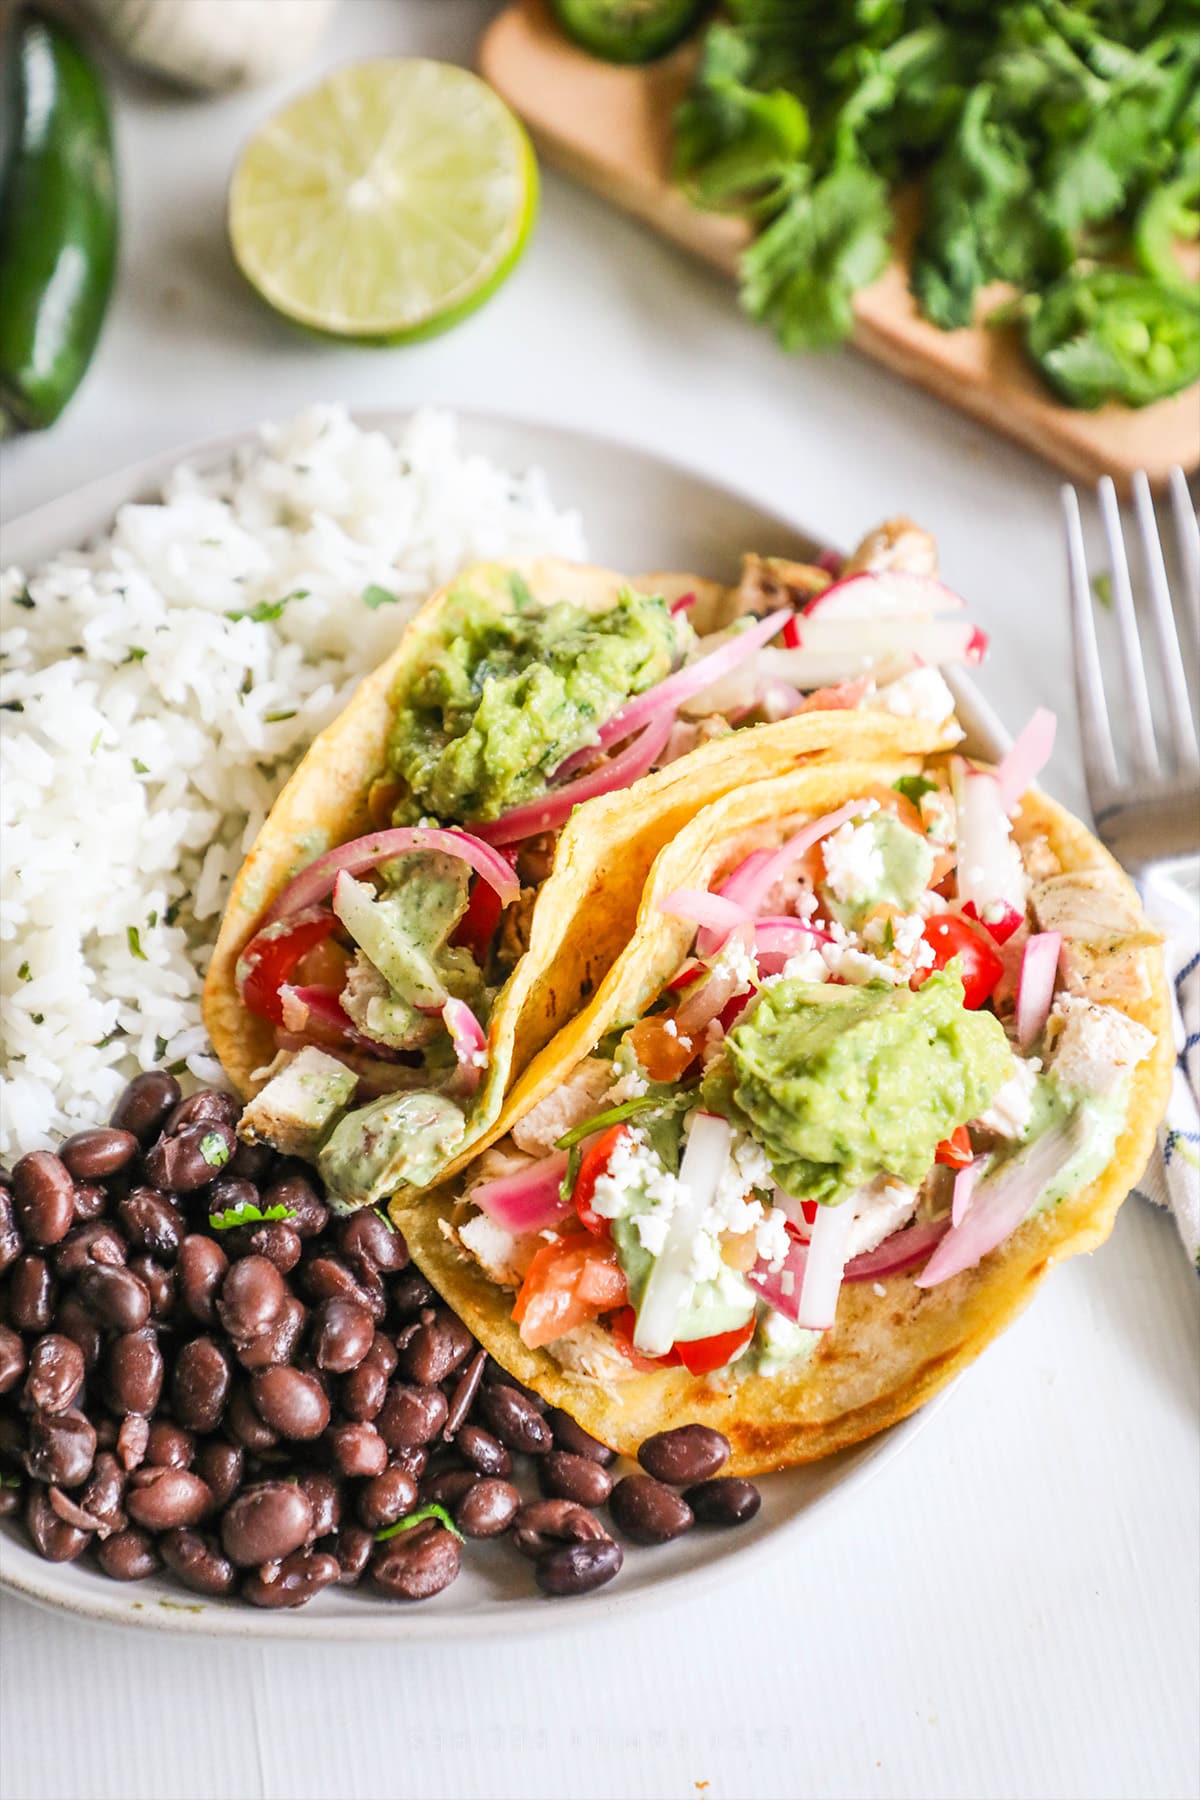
{"x":445,"y":1486}
{"x":325,"y":1497}
{"x":200,"y":1384}
{"x":94,"y":1154}
{"x":12,"y":1496}
{"x":169,"y":1446}
{"x":578,"y":1568}
{"x":252,"y":1162}
{"x":62,"y":1447}
{"x":133,"y":1436}
{"x":152,"y":1223}
{"x":233,"y":1193}
{"x":329,"y":1278}
{"x":244,"y":1425}
{"x":515,"y":1420}
{"x":383,"y":1354}
{"x":252,"y":1294}
{"x":195,"y":1559}
{"x":463,"y":1398}
{"x":293,"y":1403}
{"x":56,"y":1372}
{"x":277,"y":1241}
{"x":363,"y":1391}
{"x":416,"y":1564}
{"x":541,"y":1524}
{"x":685,"y":1455}
{"x":74,"y":1320}
{"x":293,"y":1582}
{"x":71,"y":1511}
{"x":648,"y":1511}
{"x":31,"y":1293}
{"x":146,"y":1103}
{"x":416,"y":1461}
{"x":209,"y":1106}
{"x":353,"y":1547}
{"x":163,"y":1499}
{"x":411,"y":1415}
{"x":202,"y":1267}
{"x":366,"y":1237}
{"x":116,"y":1296}
{"x":279,"y":1342}
{"x":411,"y":1292}
{"x":265,"y":1523}
{"x":11,"y":1241}
{"x":160,"y":1285}
{"x":570,"y":1436}
{"x":483,"y":1451}
{"x":135,"y":1371}
{"x":44,"y":1197}
{"x":724,"y":1500}
{"x":222,"y":1466}
{"x":12,"y":1358}
{"x":488,"y":1508}
{"x":53,"y":1538}
{"x":436,"y":1348}
{"x":309,"y":1213}
{"x":569,"y":1477}
{"x":182,"y":1162}
{"x":128,"y":1555}
{"x":386,"y":1498}
{"x":103,"y":1497}
{"x":358,"y":1450}
{"x":14,"y":1435}
{"x":98,"y":1240}
{"x":342,"y":1332}
{"x":91,"y":1201}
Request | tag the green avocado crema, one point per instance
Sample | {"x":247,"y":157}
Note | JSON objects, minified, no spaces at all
{"x":841,"y":1084}
{"x":398,"y":1139}
{"x":481,"y":727}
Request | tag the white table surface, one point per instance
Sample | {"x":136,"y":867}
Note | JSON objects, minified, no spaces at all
{"x":1011,"y":1610}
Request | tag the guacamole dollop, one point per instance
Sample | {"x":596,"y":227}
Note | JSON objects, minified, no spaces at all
{"x":510,"y":694}
{"x":841,"y":1084}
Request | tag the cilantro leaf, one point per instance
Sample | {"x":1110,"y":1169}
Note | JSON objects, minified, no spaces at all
{"x":375,"y":596}
{"x":431,"y":1511}
{"x":267,"y":611}
{"x":249,"y":1214}
{"x":915,"y":787}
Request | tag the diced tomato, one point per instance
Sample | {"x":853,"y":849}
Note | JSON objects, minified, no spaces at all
{"x":949,"y":936}
{"x":790,"y":635}
{"x":477,"y":927}
{"x":663,"y":1054}
{"x":621,"y":1329}
{"x":701,"y":1356}
{"x":595,"y":1161}
{"x":269,"y":959}
{"x":1001,"y":928}
{"x":955,"y":1152}
{"x":843,"y":696}
{"x":572,"y":1279}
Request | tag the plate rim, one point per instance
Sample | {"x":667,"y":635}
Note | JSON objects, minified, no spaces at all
{"x":22,"y":1572}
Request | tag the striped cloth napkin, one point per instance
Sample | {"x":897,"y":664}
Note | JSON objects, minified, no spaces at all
{"x":1172,"y":900}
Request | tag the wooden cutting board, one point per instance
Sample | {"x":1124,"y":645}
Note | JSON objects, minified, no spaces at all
{"x":611,"y":128}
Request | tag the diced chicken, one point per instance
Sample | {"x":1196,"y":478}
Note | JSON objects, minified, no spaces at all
{"x":769,"y":582}
{"x":896,"y":544}
{"x":1012,"y":1108}
{"x":1088,"y":907}
{"x":575,"y":1100}
{"x":589,"y":1351}
{"x":688,"y":734}
{"x":535,"y":859}
{"x":371,"y":1005}
{"x":299,"y":1104}
{"x":1094,"y":1047}
{"x":501,"y":1254}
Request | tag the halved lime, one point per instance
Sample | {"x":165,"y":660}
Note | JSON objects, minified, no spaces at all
{"x":386,"y":204}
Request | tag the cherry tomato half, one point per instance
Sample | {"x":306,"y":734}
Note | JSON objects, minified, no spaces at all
{"x":477,"y":927}
{"x":271,"y":957}
{"x":595,"y":1161}
{"x":701,"y":1356}
{"x":949,"y":936}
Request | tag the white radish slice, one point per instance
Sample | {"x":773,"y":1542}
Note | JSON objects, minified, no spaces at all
{"x":872,"y":594}
{"x":824,"y":1265}
{"x":669,"y":1285}
{"x":836,"y":650}
{"x":990,"y":872}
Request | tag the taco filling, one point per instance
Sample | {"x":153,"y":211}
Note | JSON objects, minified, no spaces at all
{"x":379,"y":967}
{"x":894,"y":1041}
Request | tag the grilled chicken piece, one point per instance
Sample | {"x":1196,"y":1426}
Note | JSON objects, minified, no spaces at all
{"x":575,"y":1100}
{"x":1099,"y":927}
{"x":771,"y":581}
{"x":896,"y":544}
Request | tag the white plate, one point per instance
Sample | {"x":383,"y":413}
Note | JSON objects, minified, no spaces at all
{"x":640,"y":512}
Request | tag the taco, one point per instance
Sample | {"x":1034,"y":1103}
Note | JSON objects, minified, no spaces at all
{"x":459,"y":858}
{"x":882,"y":1049}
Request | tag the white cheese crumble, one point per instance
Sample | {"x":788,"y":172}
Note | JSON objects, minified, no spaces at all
{"x":857,"y":967}
{"x":921,"y":694}
{"x":854,"y":867}
{"x":1012,"y":1108}
{"x":629,"y":1086}
{"x":734,"y":959}
{"x":938,"y":817}
{"x":881,"y":1207}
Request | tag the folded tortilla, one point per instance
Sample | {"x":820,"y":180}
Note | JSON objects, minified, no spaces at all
{"x":586,"y":910}
{"x":889,"y":1351}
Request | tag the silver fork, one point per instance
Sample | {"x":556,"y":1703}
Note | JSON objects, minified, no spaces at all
{"x":1150,"y":812}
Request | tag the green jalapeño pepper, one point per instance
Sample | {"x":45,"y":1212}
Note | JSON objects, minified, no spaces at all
{"x":1110,"y":335}
{"x":58,"y":222}
{"x":627,"y":31}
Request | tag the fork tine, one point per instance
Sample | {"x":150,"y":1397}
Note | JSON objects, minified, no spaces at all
{"x":1099,"y":758}
{"x":1183,"y":730}
{"x":1187,"y":534}
{"x":1145,"y":753}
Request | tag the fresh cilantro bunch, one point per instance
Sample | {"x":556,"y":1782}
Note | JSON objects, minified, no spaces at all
{"x":1049,"y":143}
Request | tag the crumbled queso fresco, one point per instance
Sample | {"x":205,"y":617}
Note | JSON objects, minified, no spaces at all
{"x":853,"y":858}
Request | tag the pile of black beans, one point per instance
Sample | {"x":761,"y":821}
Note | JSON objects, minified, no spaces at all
{"x":277,"y":1406}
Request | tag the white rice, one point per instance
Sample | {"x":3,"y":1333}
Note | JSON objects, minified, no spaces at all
{"x":146,"y":733}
